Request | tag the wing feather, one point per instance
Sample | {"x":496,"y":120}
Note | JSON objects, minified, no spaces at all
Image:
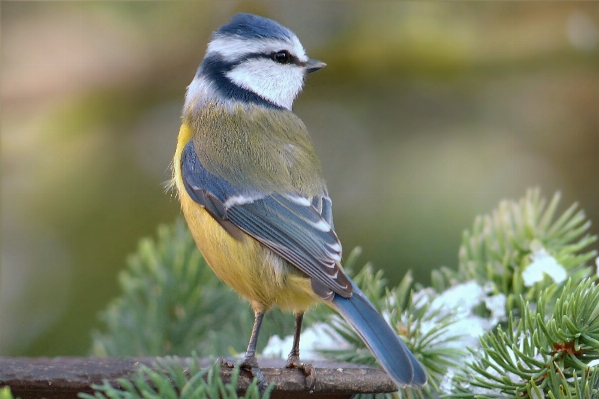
{"x":289,"y":224}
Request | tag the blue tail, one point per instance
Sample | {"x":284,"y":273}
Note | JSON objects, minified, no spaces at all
{"x":389,"y":350}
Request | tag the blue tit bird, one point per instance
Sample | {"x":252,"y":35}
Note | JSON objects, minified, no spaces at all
{"x":253,"y":194}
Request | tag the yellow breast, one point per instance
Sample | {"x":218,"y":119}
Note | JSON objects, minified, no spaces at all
{"x":251,"y":269}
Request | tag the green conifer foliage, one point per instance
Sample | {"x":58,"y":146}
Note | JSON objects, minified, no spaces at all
{"x":518,"y":318}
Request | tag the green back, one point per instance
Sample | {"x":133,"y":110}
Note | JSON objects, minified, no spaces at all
{"x":257,"y":148}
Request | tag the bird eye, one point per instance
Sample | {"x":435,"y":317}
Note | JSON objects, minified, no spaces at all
{"x":282,"y":57}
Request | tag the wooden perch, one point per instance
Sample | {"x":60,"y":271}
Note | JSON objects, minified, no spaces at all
{"x":65,"y":377}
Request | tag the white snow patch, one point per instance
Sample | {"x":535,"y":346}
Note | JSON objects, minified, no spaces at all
{"x":320,"y":336}
{"x":459,"y":302}
{"x":543,"y":263}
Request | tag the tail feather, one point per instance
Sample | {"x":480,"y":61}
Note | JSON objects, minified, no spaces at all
{"x":389,"y":350}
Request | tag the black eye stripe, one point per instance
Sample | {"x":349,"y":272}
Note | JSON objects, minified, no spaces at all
{"x":292,"y":59}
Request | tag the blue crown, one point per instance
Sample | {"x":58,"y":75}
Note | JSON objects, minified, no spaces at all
{"x":254,"y":27}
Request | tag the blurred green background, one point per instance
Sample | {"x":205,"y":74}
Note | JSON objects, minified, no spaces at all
{"x":427,"y":114}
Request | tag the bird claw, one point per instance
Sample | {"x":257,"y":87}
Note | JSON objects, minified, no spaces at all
{"x":251,"y":364}
{"x":261,"y":380}
{"x":293,"y":362}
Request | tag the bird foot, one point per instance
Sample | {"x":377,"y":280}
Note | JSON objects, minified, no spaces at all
{"x":250,"y":363}
{"x":293,"y":362}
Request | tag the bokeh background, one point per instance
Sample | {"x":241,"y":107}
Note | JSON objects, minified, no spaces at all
{"x":427,"y":114}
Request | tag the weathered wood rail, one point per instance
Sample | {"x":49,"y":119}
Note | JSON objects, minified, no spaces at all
{"x":65,"y":377}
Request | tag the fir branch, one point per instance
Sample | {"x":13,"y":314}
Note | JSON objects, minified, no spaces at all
{"x":539,"y":356}
{"x":168,"y":379}
{"x":574,"y":327}
{"x":502,"y":245}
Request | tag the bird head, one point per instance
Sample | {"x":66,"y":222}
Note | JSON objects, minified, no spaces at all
{"x":252,"y":60}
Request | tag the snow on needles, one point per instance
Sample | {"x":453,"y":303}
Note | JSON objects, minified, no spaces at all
{"x":460,"y":301}
{"x":543,"y":264}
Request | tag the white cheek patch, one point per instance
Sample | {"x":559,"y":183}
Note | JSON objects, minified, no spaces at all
{"x":279,"y":84}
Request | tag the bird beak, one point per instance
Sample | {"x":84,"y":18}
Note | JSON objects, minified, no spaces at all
{"x":313,"y":65}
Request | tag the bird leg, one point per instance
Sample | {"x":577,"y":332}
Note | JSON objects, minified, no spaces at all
{"x":293,"y":360}
{"x":249,"y":361}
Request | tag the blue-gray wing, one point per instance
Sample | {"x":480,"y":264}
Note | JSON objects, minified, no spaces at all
{"x":297,"y":228}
